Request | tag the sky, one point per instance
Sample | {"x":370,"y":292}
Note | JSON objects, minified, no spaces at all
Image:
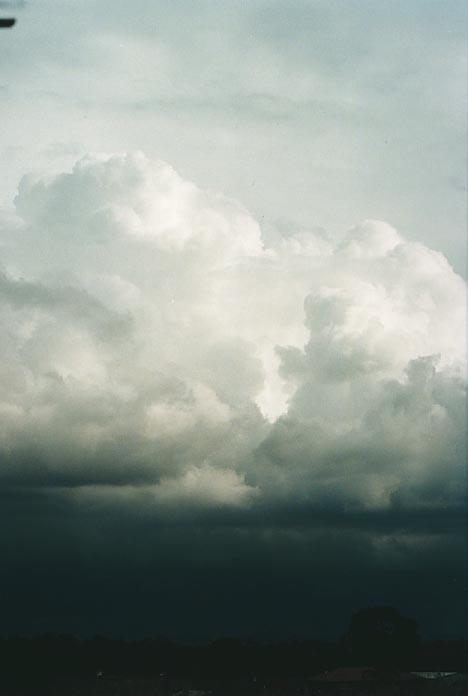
{"x":233,"y":308}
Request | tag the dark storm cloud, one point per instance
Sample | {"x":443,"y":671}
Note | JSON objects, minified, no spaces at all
{"x":132,"y":576}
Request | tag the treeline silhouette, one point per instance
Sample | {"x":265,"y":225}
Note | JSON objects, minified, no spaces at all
{"x":377,"y":637}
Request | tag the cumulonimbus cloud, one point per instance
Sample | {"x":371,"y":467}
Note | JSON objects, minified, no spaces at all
{"x":157,"y":352}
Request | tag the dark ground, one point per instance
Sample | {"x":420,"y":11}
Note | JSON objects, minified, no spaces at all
{"x":67,"y":666}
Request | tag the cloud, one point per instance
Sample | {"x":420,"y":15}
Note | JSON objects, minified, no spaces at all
{"x":126,"y":194}
{"x":150,"y":341}
{"x":165,"y":364}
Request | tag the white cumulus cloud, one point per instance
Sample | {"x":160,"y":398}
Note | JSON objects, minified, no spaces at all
{"x":154,"y":341}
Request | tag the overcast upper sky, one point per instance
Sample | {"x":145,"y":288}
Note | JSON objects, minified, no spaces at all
{"x":232,"y":307}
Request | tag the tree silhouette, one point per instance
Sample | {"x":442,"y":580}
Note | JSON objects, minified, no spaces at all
{"x":382,"y":637}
